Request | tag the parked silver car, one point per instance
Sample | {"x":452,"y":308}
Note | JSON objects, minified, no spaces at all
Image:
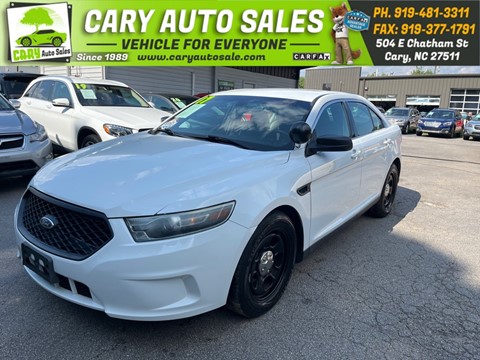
{"x":472,"y":129}
{"x":406,"y":118}
{"x":24,"y":144}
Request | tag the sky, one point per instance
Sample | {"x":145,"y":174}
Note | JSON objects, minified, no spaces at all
{"x":406,"y":70}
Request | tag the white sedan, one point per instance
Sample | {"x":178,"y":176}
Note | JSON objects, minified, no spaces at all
{"x":214,"y":207}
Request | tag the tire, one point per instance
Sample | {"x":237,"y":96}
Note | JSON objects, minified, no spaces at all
{"x":26,"y":42}
{"x":384,"y":205}
{"x":419,"y":133}
{"x":265,"y":267}
{"x":466,"y":137}
{"x":57,"y":41}
{"x":452,"y":132}
{"x":90,"y":140}
{"x":406,"y":128}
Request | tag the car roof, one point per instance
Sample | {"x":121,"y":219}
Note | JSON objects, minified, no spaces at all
{"x":79,"y":80}
{"x":287,"y":93}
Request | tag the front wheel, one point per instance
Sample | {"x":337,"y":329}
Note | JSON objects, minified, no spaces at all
{"x":419,"y":133}
{"x":406,"y":128}
{"x":264,"y":268}
{"x":452,"y":132}
{"x":466,"y":137}
{"x":57,"y":41}
{"x":384,"y":205}
{"x":90,"y":140}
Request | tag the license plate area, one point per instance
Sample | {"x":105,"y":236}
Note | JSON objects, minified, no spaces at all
{"x":40,"y":264}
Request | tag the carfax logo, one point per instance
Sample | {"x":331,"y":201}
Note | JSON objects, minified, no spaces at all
{"x":39,"y":32}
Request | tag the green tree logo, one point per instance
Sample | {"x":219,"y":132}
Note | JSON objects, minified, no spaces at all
{"x":37,"y":16}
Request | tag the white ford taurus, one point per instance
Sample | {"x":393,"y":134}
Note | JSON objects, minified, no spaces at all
{"x":213,"y":207}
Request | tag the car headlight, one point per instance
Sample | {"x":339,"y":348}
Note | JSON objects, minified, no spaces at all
{"x":469,"y":125}
{"x":40,"y":135}
{"x":447,"y":123}
{"x":117,"y":130}
{"x":160,"y":227}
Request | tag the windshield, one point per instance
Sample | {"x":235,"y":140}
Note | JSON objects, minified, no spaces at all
{"x":13,"y":87}
{"x":440,"y":114}
{"x":108,"y":95}
{"x":396,"y":112}
{"x":257,"y":123}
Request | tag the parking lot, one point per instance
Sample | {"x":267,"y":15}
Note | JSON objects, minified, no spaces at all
{"x":403,"y":287}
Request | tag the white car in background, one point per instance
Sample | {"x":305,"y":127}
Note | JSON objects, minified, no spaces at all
{"x":78,"y":112}
{"x":213,"y":207}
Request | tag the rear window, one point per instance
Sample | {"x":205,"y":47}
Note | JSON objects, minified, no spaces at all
{"x":13,"y":87}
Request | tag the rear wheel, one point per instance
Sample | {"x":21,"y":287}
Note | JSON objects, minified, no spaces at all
{"x":384,"y":205}
{"x":406,"y":128}
{"x":466,"y":137}
{"x":265,"y":267}
{"x":90,"y":140}
{"x":26,"y":42}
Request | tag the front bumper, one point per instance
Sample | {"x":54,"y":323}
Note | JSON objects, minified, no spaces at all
{"x":26,"y":160}
{"x":471,"y":132}
{"x":159,"y":280}
{"x":434,"y":130}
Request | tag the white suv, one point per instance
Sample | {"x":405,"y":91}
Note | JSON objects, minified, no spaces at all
{"x":78,"y":112}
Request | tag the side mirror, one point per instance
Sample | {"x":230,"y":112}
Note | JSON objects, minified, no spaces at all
{"x":336,"y":143}
{"x":300,"y":132}
{"x":15,"y":103}
{"x":63,"y":102}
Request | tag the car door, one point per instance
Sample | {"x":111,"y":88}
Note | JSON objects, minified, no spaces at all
{"x":372,"y":141}
{"x":336,"y":176}
{"x":57,"y":120}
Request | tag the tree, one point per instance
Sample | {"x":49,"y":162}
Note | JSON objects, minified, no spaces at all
{"x":36,"y":17}
{"x":420,"y":71}
{"x":301,"y":82}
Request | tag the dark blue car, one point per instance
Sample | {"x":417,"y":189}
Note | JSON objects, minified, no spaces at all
{"x":441,"y":121}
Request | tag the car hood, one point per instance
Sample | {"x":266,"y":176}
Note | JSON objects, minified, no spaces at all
{"x":16,"y":122}
{"x":145,"y":174}
{"x":133,"y":117}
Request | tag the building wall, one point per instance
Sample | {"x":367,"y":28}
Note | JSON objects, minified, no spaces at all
{"x":394,"y":87}
{"x":91,"y":72}
{"x":338,"y":79}
{"x":403,"y":87}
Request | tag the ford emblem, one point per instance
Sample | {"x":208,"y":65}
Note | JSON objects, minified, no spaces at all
{"x":48,"y":221}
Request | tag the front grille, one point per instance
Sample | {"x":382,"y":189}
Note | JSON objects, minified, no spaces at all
{"x":18,"y":166}
{"x":8,"y":142}
{"x":71,"y":231}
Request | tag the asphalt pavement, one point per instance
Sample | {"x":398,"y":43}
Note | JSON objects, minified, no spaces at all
{"x":403,"y":287}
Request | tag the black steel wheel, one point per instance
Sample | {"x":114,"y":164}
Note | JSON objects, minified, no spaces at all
{"x":90,"y":140}
{"x":26,"y":42}
{"x":384,"y":205}
{"x":264,"y":268}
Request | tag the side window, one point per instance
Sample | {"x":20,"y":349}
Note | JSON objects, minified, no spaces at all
{"x":333,"y":121}
{"x":43,"y":90}
{"x":361,"y":118}
{"x":31,"y":90}
{"x":60,"y":90}
{"x":377,"y":122}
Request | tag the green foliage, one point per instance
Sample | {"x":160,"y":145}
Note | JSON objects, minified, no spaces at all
{"x":37,"y":16}
{"x":420,"y":71}
{"x":301,"y":82}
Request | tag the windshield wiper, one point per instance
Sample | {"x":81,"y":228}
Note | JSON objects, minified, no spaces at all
{"x":223,"y":140}
{"x":163,"y":130}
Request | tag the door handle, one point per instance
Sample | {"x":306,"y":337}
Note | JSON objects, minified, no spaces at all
{"x":356,"y":154}
{"x":388,"y":142}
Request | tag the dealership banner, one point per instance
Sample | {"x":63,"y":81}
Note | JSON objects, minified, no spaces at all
{"x":240,"y":33}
